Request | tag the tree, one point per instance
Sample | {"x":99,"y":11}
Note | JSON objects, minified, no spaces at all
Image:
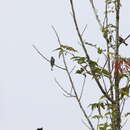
{"x":107,"y":75}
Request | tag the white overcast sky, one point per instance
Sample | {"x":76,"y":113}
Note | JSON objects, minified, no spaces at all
{"x":29,"y":97}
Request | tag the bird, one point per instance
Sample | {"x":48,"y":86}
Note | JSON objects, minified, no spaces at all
{"x":52,"y":62}
{"x":121,"y":40}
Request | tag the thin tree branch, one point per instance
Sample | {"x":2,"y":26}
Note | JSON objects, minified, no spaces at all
{"x":98,"y":123}
{"x":76,"y":95}
{"x":127,"y":37}
{"x":124,"y":123}
{"x":95,"y":13}
{"x":86,"y":124}
{"x":45,"y":57}
{"x":86,"y":53}
{"x":82,"y":88}
{"x":108,"y":49}
{"x":56,"y":35}
{"x":72,"y":69}
{"x":65,"y":91}
{"x":123,"y":105}
{"x":72,"y":83}
{"x":105,"y":87}
{"x":84,"y":30}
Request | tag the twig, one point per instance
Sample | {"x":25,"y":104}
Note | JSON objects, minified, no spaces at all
{"x":96,"y":15}
{"x":104,"y":84}
{"x":56,"y":35}
{"x":123,"y":104}
{"x":85,"y":124}
{"x":45,"y":57}
{"x":127,"y":37}
{"x":66,"y":92}
{"x":124,"y":123}
{"x":72,"y":69}
{"x":98,"y":123}
{"x":82,"y":88}
{"x":84,"y":30}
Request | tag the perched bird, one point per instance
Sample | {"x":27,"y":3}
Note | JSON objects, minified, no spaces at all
{"x":121,"y":40}
{"x":39,"y":128}
{"x":52,"y":62}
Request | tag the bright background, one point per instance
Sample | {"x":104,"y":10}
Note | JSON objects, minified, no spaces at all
{"x":29,"y":97}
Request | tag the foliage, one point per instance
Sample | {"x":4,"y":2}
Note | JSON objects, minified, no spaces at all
{"x":108,"y":111}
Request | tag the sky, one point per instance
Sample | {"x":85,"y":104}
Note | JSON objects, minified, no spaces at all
{"x":29,"y":96}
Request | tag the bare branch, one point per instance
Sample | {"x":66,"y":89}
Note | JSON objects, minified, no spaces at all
{"x":127,"y":37}
{"x":40,"y":53}
{"x":95,"y":13}
{"x":123,"y":105}
{"x":105,"y":87}
{"x":46,"y":58}
{"x":56,"y":35}
{"x":86,"y":124}
{"x":66,"y":92}
{"x":76,"y":95}
{"x":72,"y":69}
{"x":124,"y":123}
{"x":82,"y":88}
{"x":84,"y":30}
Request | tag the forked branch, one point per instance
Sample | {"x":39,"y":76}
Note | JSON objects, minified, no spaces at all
{"x":86,"y":53}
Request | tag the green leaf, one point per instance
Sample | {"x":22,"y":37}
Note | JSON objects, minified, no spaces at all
{"x":93,"y":106}
{"x":102,"y":105}
{"x":57,"y":49}
{"x":124,"y":91}
{"x":108,"y":114}
{"x":97,"y":106}
{"x":91,"y":44}
{"x":60,"y":53}
{"x":106,"y":73}
{"x":68,"y":48}
{"x":80,"y":71}
{"x":105,"y":32}
{"x":80,"y":60}
{"x":102,"y":97}
{"x":103,"y":126}
{"x":99,"y":51}
{"x":97,"y":116}
{"x":93,"y":63}
{"x":110,"y":53}
{"x":127,"y":114}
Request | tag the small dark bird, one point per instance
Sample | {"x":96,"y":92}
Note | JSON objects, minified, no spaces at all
{"x":121,"y":40}
{"x":39,"y":128}
{"x":52,"y":62}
